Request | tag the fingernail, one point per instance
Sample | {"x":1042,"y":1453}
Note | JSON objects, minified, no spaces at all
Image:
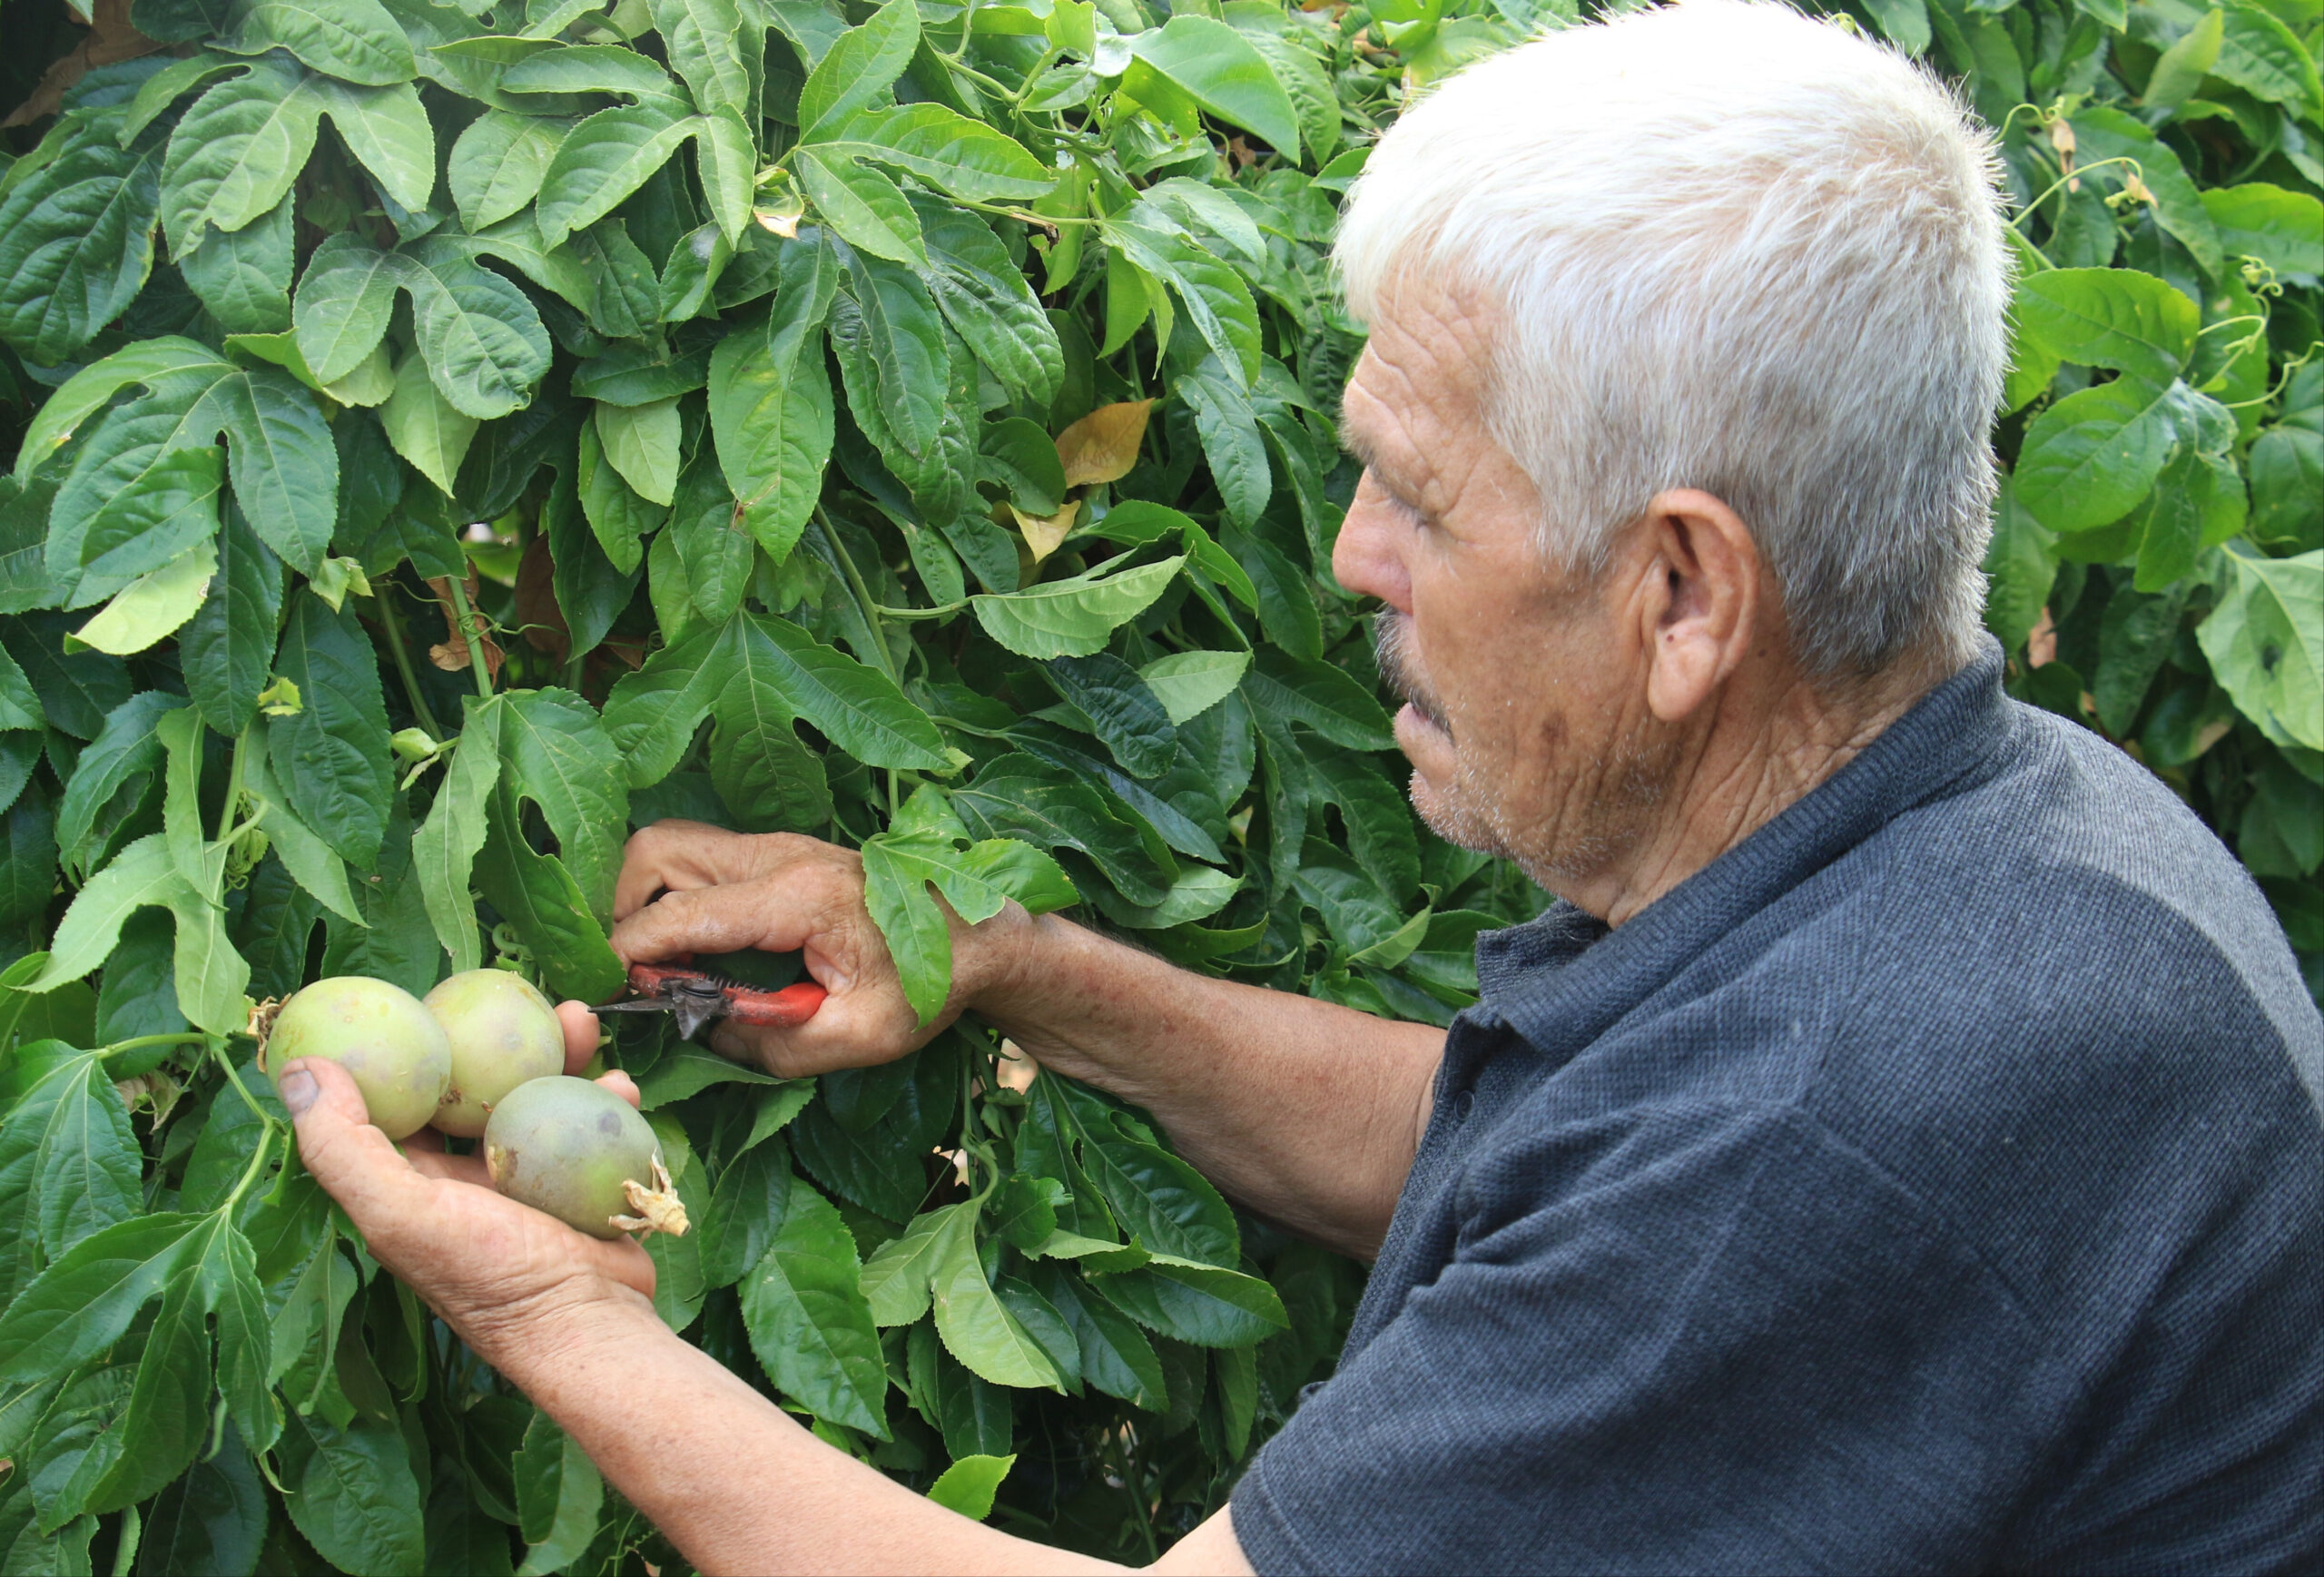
{"x":297,"y":1090}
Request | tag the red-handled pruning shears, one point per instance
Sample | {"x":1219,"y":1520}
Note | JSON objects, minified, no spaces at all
{"x":695,"y":998}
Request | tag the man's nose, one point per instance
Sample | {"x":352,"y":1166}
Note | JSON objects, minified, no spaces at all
{"x":1365,"y":559}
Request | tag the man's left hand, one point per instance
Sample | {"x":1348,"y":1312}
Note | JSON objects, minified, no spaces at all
{"x":490,"y":1267}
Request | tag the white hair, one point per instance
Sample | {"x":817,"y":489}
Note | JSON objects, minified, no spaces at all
{"x":1741,"y":250}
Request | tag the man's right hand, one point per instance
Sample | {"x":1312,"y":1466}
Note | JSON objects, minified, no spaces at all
{"x":685,"y":887}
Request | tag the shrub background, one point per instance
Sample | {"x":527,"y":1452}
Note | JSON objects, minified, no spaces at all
{"x":984,"y":524}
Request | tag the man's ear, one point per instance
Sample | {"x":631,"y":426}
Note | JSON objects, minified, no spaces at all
{"x":1703,"y":610}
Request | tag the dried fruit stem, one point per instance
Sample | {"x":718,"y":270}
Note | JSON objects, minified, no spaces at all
{"x":657,"y":1208}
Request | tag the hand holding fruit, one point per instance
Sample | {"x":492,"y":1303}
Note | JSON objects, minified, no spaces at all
{"x":487,"y":1263}
{"x":685,"y":887}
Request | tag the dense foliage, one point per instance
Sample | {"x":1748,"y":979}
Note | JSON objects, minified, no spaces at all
{"x":910,"y":425}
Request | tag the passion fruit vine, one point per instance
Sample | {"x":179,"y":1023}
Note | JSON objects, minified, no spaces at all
{"x":503,"y":1033}
{"x":390,"y":1045}
{"x":578,"y":1151}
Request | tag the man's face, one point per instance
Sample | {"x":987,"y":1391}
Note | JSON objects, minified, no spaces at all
{"x":1525,"y":719}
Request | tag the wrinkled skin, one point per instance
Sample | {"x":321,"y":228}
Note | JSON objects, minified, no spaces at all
{"x":390,"y":1044}
{"x":566,"y":1146}
{"x":503,"y":1033}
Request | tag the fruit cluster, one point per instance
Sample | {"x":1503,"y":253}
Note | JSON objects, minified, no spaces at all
{"x":482,"y":1057}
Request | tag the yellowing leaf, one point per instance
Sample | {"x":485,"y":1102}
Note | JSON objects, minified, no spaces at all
{"x":1103,"y":446}
{"x":1043,"y":533}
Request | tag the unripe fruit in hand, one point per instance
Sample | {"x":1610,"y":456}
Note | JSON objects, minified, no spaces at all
{"x":578,"y":1151}
{"x":390,"y":1045}
{"x":503,"y":1033}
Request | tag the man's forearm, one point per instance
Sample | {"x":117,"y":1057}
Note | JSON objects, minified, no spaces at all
{"x":1306,"y":1111}
{"x":729,"y":1477}
{"x":738,"y":1485}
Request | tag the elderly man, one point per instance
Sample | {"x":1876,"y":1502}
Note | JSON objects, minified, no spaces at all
{"x":1899,"y":1147}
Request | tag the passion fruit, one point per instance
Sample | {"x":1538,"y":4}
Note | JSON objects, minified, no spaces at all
{"x":503,"y":1033}
{"x":578,"y":1151}
{"x":389,"y":1044}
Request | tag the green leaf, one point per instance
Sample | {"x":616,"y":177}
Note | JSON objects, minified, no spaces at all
{"x":808,"y":1320}
{"x":357,"y":41}
{"x":497,"y":166}
{"x":968,"y":1485}
{"x":76,"y":243}
{"x":138,"y":498}
{"x":1124,"y":715}
{"x":2185,"y":63}
{"x":642,"y":443}
{"x":356,"y":1501}
{"x":946,"y":149}
{"x":424,"y":426}
{"x":691,"y":1069}
{"x":1200,"y":1303}
{"x":243,"y":276}
{"x":1221,"y":71}
{"x":168,"y":362}
{"x":310,"y":860}
{"x":2115,"y":317}
{"x":236,"y":152}
{"x":986,"y":299}
{"x":1189,"y":683}
{"x":538,"y":896}
{"x":83,"y":1302}
{"x":727,"y":162}
{"x":1116,"y":1358}
{"x":560,"y":757}
{"x":559,"y":1494}
{"x":633,"y":373}
{"x":600,"y":162}
{"x":747,"y":1212}
{"x":897,"y":1277}
{"x":864,"y":207}
{"x":1020,"y":796}
{"x":1073,"y":617}
{"x":86,"y":1161}
{"x":2092,"y":455}
{"x":918,"y":940}
{"x":444,"y":848}
{"x":858,"y":68}
{"x":2103,"y":133}
{"x":388,"y":131}
{"x":154,"y":605}
{"x":706,"y":43}
{"x":2261,"y":55}
{"x":976,"y":1326}
{"x":142,"y":874}
{"x":857,"y":707}
{"x":1322,"y":698}
{"x":335,"y":773}
{"x":2284,"y":229}
{"x":479,"y":335}
{"x":227,"y":652}
{"x":2020,"y":565}
{"x":2265,"y":646}
{"x":771,"y":401}
{"x":1164,"y":1202}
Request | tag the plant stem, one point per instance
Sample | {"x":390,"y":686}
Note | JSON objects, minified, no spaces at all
{"x":419,"y":712}
{"x":471,"y":636}
{"x":137,"y":1042}
{"x":233,"y":781}
{"x":218,"y":1051}
{"x":249,"y":1173}
{"x":871,"y":610}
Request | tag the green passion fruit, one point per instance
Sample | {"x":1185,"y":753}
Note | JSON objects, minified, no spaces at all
{"x":389,"y":1044}
{"x":578,"y":1151}
{"x":503,"y":1033}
